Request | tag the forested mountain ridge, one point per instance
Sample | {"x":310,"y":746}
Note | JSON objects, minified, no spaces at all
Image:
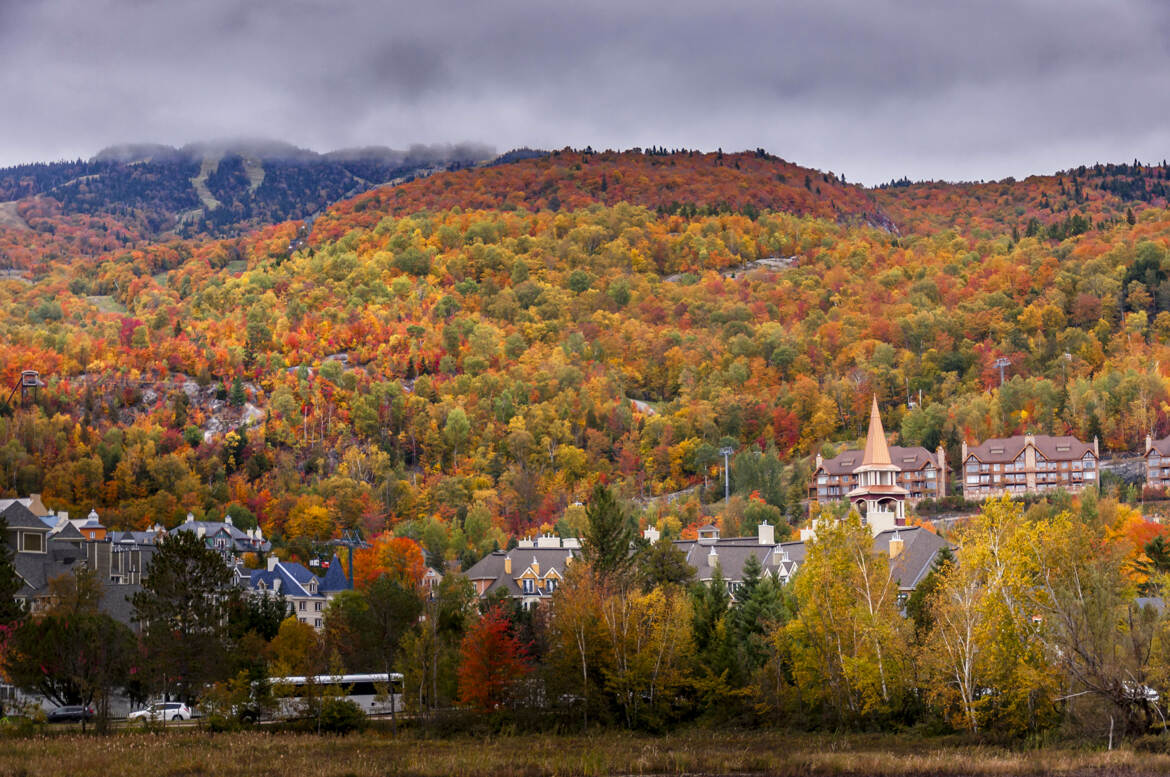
{"x":685,"y":183}
{"x":1060,"y":205}
{"x":219,"y":188}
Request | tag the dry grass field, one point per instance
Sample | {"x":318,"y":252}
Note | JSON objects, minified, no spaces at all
{"x":257,"y":754}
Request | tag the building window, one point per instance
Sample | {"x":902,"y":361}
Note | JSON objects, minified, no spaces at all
{"x":317,"y":623}
{"x":317,"y":606}
{"x":529,"y":586}
{"x":32,"y":542}
{"x":550,"y":585}
{"x":300,"y":605}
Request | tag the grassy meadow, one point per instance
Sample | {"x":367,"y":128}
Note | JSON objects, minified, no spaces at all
{"x":258,"y":754}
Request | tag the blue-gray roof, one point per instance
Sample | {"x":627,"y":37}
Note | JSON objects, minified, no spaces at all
{"x":335,"y":579}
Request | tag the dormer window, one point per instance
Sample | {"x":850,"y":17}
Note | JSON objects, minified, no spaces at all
{"x":32,"y":542}
{"x":529,"y":585}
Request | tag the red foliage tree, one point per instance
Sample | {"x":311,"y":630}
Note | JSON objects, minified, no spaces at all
{"x":492,"y":661}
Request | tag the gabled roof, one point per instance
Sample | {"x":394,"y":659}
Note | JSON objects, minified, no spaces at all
{"x":293,"y":578}
{"x":1004,"y":449}
{"x":17,"y":516}
{"x":909,"y":459}
{"x":66,"y":531}
{"x":1161,"y":447}
{"x":489,"y":567}
{"x":919,"y":550}
{"x":731,"y":558}
{"x":211,"y":529}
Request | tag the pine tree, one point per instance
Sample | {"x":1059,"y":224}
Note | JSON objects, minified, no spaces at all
{"x":183,"y":609}
{"x":10,"y":583}
{"x":608,"y":537}
{"x":236,"y":396}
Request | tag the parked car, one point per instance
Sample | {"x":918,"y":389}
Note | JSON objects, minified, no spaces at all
{"x":73,"y":713}
{"x":162,"y":710}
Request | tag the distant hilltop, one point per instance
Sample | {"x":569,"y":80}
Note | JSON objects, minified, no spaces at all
{"x":224,"y":187}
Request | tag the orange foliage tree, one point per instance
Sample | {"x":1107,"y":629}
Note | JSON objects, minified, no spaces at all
{"x":400,"y":558}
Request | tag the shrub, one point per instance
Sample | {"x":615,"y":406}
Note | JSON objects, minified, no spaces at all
{"x":341,"y":716}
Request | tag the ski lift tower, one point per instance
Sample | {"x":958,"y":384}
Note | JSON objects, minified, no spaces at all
{"x":726,"y":451}
{"x":28,"y":385}
{"x":1002,"y":362}
{"x":351,"y":538}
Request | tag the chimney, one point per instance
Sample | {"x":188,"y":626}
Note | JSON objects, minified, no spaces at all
{"x":272,"y":562}
{"x":963,"y":455}
{"x":820,"y":461}
{"x":1096,"y":448}
{"x":507,"y":565}
{"x":190,"y":517}
{"x":228,"y":520}
{"x":712,"y":557}
{"x":1149,"y":443}
{"x":535,"y":566}
{"x":896,"y":545}
{"x":767,"y":534}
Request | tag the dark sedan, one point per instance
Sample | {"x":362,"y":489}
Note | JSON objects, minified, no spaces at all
{"x":71,"y":714}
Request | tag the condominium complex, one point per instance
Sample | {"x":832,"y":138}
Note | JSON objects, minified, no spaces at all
{"x":921,"y":473}
{"x":1157,"y":464}
{"x":1028,"y":464}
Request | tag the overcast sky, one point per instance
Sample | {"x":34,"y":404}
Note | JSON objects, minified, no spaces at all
{"x":873,"y":89}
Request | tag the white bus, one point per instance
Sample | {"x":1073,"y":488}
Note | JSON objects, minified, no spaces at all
{"x":373,"y":693}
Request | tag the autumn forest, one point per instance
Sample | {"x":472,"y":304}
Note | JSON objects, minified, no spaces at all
{"x":456,"y":362}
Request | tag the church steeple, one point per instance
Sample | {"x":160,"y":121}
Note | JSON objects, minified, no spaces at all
{"x":877,"y":496}
{"x":877,"y":452}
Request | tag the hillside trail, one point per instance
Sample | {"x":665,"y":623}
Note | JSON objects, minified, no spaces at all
{"x":10,"y":217}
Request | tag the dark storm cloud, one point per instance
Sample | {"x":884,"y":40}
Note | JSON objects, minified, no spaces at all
{"x":874,"y":89}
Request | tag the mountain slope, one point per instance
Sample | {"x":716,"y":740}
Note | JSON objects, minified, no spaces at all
{"x":685,"y":182}
{"x":1067,"y":202}
{"x":220,"y":188}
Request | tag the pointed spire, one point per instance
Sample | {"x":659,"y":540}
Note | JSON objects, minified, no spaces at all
{"x":877,"y":452}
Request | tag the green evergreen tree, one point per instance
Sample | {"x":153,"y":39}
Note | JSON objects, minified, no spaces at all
{"x":236,"y":396}
{"x":609,"y":537}
{"x":183,"y":609}
{"x":663,"y":564}
{"x":10,"y":583}
{"x":761,"y":604}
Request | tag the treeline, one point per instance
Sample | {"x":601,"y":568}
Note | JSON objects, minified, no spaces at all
{"x":1033,"y":624}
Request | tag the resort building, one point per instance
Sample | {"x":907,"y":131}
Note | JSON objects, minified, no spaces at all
{"x":1028,"y":464}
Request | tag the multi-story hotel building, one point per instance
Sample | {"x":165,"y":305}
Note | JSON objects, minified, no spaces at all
{"x":1157,"y":464}
{"x":922,"y":474}
{"x":1028,"y":464}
